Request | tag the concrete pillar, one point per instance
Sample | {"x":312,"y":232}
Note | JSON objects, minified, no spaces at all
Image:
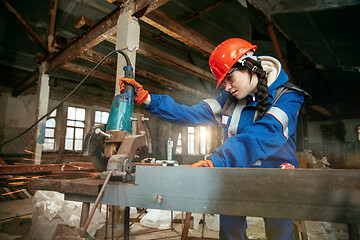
{"x":41,"y":109}
{"x":127,"y":40}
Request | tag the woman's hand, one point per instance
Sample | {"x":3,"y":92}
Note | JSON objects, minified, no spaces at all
{"x":203,"y":163}
{"x":142,"y":96}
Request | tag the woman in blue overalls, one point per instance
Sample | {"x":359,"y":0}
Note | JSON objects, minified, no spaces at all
{"x":258,"y":111}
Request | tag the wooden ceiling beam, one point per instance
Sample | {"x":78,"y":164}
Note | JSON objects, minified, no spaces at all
{"x":174,"y":28}
{"x":170,"y":84}
{"x":71,"y":67}
{"x":99,"y":32}
{"x":27,"y":28}
{"x":170,"y":60}
{"x":203,"y":11}
{"x":50,"y":31}
{"x":95,"y":57}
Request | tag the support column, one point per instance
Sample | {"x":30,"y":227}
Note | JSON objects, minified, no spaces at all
{"x":41,"y":109}
{"x":127,"y":40}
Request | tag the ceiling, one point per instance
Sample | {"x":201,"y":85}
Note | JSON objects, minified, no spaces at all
{"x":318,"y":41}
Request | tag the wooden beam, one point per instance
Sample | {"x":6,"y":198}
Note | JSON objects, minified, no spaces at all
{"x":94,"y":56}
{"x":267,"y":21}
{"x":50,"y":31}
{"x":143,"y":7}
{"x":28,"y":29}
{"x":177,"y":96}
{"x":155,"y":54}
{"x":72,"y":67}
{"x":99,"y":32}
{"x":164,"y":40}
{"x":84,"y":23}
{"x":165,"y":23}
{"x":171,"y":84}
{"x":278,"y":51}
{"x":25,"y":168}
{"x":168,"y":59}
{"x":165,"y":82}
{"x":203,"y":11}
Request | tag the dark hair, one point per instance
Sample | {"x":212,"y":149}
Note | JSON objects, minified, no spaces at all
{"x":254,"y":66}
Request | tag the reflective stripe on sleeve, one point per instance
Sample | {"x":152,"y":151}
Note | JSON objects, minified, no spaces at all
{"x":281,"y":116}
{"x":215,"y":108}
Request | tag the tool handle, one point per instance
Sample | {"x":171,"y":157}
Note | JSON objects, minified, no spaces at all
{"x":129,"y":71}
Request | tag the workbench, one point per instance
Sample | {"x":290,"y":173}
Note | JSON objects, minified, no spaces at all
{"x":301,"y":194}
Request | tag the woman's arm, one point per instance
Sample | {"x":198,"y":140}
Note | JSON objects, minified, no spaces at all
{"x":163,"y":106}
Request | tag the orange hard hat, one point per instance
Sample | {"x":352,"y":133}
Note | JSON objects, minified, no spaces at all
{"x":226,"y":55}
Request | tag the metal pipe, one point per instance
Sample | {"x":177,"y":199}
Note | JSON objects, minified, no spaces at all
{"x":106,"y":221}
{"x":101,"y":193}
{"x":112,"y":221}
{"x":106,"y":135}
{"x":84,"y":213}
{"x":126,"y":223}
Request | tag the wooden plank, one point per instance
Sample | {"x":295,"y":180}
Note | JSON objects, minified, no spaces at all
{"x":85,"y":186}
{"x":24,"y":168}
{"x":27,"y":28}
{"x":165,"y":23}
{"x":99,"y":32}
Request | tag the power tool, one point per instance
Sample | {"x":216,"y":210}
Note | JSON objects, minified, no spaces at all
{"x":112,"y":146}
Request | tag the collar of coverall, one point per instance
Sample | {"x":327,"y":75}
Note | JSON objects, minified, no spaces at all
{"x":272,"y":68}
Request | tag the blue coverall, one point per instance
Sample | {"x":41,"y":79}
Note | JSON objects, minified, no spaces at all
{"x":271,"y":139}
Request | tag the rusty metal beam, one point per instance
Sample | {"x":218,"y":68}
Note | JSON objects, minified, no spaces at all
{"x":165,"y":23}
{"x":315,"y":194}
{"x":27,"y":28}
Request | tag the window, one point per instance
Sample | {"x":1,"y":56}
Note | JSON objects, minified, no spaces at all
{"x":203,"y":140}
{"x":75,"y":128}
{"x":178,"y":145}
{"x":191,"y":140}
{"x":101,"y":117}
{"x":50,"y":125}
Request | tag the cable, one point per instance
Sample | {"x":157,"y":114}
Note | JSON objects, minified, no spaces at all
{"x":16,"y":216}
{"x":71,"y":93}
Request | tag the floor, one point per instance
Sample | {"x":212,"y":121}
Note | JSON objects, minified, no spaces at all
{"x":16,"y":228}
